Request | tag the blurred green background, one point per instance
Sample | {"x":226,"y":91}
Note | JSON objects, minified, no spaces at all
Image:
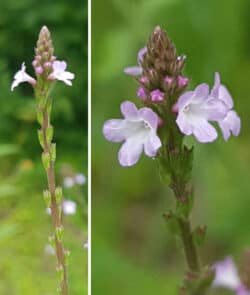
{"x":132,"y":251}
{"x":25,"y":267}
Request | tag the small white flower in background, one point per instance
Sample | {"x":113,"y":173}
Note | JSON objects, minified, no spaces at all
{"x":21,"y":76}
{"x":85,"y":245}
{"x":69,"y":207}
{"x":68,"y":182}
{"x":49,"y":250}
{"x":60,"y":73}
{"x":226,"y":276}
{"x":80,"y":179}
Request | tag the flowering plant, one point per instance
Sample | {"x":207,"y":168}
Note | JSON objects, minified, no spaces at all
{"x":48,"y":70}
{"x":170,"y":113}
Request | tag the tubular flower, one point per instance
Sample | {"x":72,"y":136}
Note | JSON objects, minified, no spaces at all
{"x":21,"y":76}
{"x":231,"y":123}
{"x":59,"y":72}
{"x":195,"y":110}
{"x":136,"y":70}
{"x":138,"y":131}
{"x":226,"y":276}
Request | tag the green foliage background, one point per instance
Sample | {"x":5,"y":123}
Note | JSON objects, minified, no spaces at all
{"x":132,"y":251}
{"x":24,"y":224}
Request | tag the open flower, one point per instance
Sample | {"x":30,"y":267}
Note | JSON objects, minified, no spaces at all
{"x":195,"y":110}
{"x":21,"y":76}
{"x":136,"y":70}
{"x":137,"y":130}
{"x":226,"y":276}
{"x":231,"y":123}
{"x":59,"y":72}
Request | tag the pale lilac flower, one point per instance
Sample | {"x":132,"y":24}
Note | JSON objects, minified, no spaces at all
{"x":48,"y":210}
{"x":195,"y":110}
{"x":68,"y":182}
{"x":138,"y":131}
{"x":69,"y":207}
{"x":231,"y":123}
{"x":80,"y":179}
{"x":226,"y":276}
{"x":157,"y":95}
{"x":21,"y":76}
{"x":136,"y":70}
{"x":59,"y":72}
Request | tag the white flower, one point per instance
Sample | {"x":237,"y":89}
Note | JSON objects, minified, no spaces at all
{"x":59,"y":72}
{"x":80,"y":179}
{"x":195,"y":110}
{"x":21,"y":76}
{"x":68,"y":182}
{"x":231,"y":124}
{"x":138,"y":131}
{"x":69,"y":207}
{"x":226,"y":274}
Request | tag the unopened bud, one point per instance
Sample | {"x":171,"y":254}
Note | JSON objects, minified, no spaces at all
{"x":47,"y":198}
{"x":59,"y":233}
{"x":46,"y":160}
{"x":58,"y":195}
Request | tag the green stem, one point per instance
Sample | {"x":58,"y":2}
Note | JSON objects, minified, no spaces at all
{"x":55,"y":207}
{"x":189,"y":245}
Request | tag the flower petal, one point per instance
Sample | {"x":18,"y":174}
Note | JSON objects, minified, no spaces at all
{"x":184,"y":99}
{"x":129,"y":110}
{"x":149,"y":117}
{"x":204,"y":131}
{"x":130,"y":152}
{"x":183,"y":124}
{"x":201,"y":93}
{"x":141,"y":53}
{"x":214,"y":109}
{"x":231,"y":123}
{"x":113,"y":130}
{"x":215,"y":89}
{"x":133,"y":71}
{"x":226,"y":274}
{"x":225,"y":96}
{"x":152,"y":145}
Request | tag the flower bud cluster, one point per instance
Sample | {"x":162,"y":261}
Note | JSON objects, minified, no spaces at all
{"x":44,"y":57}
{"x":161,"y":69}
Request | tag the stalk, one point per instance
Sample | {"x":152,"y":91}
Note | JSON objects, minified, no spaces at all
{"x":55,"y":206}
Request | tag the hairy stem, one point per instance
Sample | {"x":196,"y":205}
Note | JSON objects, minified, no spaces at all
{"x":55,"y":207}
{"x":189,"y":245}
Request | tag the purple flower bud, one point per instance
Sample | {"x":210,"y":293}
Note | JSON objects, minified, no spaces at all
{"x":168,"y":80}
{"x":39,"y":70}
{"x":48,"y":65}
{"x":157,"y":95}
{"x":143,"y":80}
{"x":182,"y":81}
{"x":34,"y":63}
{"x":53,"y":58}
{"x":38,"y":57}
{"x":141,"y":93}
{"x":174,"y":108}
